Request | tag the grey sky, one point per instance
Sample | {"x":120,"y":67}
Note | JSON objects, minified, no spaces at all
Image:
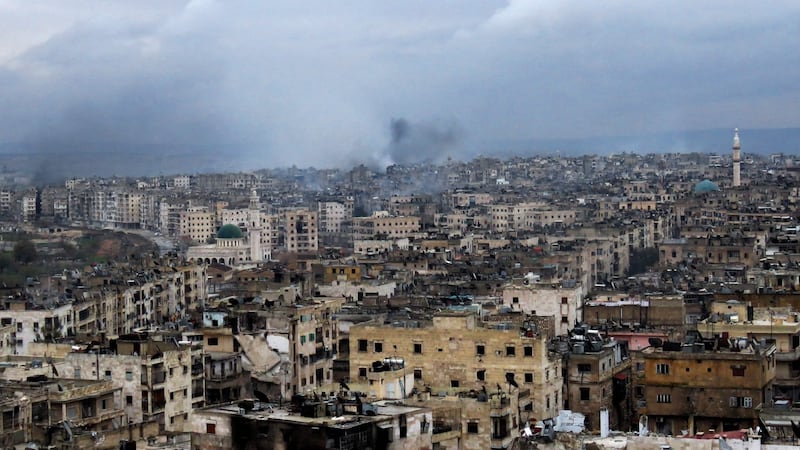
{"x":321,"y":83}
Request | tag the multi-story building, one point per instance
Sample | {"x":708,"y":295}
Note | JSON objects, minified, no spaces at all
{"x":382,"y":226}
{"x":598,"y":372}
{"x":36,"y":324}
{"x":301,"y":231}
{"x":28,"y":209}
{"x":198,"y":224}
{"x":738,"y":322}
{"x":166,"y":378}
{"x":479,"y":356}
{"x":543,"y":299}
{"x":331,"y":217}
{"x":700,"y":387}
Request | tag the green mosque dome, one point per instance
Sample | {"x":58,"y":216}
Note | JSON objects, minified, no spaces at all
{"x":229,"y":231}
{"x":705,"y":186}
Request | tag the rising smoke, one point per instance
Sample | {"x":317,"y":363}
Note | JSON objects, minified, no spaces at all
{"x":421,"y":142}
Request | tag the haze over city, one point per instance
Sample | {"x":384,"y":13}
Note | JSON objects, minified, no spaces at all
{"x":242,"y":85}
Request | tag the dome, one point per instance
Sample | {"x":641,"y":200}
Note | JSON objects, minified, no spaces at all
{"x":229,"y":231}
{"x":705,"y":186}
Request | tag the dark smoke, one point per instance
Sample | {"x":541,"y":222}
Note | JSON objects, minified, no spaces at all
{"x":414,"y":143}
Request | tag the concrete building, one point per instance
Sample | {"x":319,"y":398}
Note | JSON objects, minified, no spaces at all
{"x":545,"y":299}
{"x":331,"y":217}
{"x":598,"y":378}
{"x":382,"y":226}
{"x":480,"y":356}
{"x":198,"y":224}
{"x":329,"y":422}
{"x":301,"y":231}
{"x":166,"y":379}
{"x":701,"y":387}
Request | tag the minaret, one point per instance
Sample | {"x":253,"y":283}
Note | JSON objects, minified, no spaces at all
{"x":254,"y":227}
{"x":737,"y":159}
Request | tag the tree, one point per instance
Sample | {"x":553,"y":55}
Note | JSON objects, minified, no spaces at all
{"x":25,"y":251}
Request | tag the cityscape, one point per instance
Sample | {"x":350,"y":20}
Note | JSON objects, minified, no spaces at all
{"x":540,"y":302}
{"x":451,"y":225}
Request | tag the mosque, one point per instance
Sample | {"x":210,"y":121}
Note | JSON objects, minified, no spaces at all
{"x":232,"y":246}
{"x":707,"y":185}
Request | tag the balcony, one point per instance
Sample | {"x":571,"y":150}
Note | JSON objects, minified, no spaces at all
{"x":159,"y":377}
{"x":788,"y":356}
{"x":197,"y":369}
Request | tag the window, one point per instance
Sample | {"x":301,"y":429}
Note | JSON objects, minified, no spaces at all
{"x":378,"y":347}
{"x":454,"y":383}
{"x":128,"y":375}
{"x":515,"y":300}
{"x":480,"y":349}
{"x":510,"y":350}
{"x":211,"y":428}
{"x":564,"y":300}
{"x":129,"y":400}
{"x":108,"y":375}
{"x":77,"y":372}
{"x":738,"y":370}
{"x":741,"y":402}
{"x":584,"y":394}
{"x":529,"y":377}
{"x":302,"y":339}
{"x":418,"y":348}
{"x":213,"y":341}
{"x":481,"y":375}
{"x":417,"y":374}
{"x":528,"y":350}
{"x":564,"y":319}
{"x":172,"y":396}
{"x":662,"y":369}
{"x":403,"y":426}
{"x":103,"y":404}
{"x":584,"y":368}
{"x":472,"y":427}
{"x":312,"y":337}
{"x":362,"y":372}
{"x":362,"y":345}
{"x":664,"y":398}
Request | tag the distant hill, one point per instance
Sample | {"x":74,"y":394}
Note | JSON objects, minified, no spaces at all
{"x":761,"y":141}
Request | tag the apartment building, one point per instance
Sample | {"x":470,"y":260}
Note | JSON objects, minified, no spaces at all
{"x":198,"y":224}
{"x":332,"y":215}
{"x":301,"y":230}
{"x":166,"y":379}
{"x":479,"y":357}
{"x":700,"y":387}
{"x":382,"y":226}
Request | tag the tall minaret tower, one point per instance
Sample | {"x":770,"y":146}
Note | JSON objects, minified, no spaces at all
{"x":737,"y":159}
{"x":254,"y":227}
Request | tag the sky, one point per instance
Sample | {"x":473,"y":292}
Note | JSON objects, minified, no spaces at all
{"x":332,"y":84}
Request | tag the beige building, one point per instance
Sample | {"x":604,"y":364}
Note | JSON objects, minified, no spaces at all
{"x":565,"y":304}
{"x":198,"y":224}
{"x":478,"y":356}
{"x":382,"y":226}
{"x":301,"y":231}
{"x":331,"y":216}
{"x":166,"y":379}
